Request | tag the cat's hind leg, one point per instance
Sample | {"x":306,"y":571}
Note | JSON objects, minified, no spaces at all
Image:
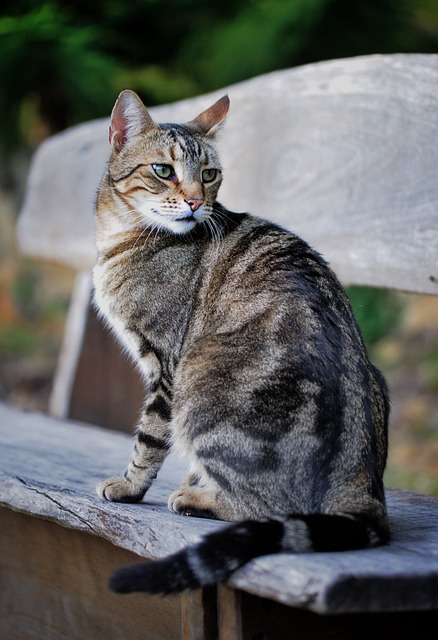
{"x":202,"y":502}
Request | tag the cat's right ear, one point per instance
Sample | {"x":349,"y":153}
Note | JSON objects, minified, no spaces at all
{"x":129,"y":118}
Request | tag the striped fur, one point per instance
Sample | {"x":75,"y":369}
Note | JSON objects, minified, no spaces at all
{"x":254,"y":366}
{"x":220,"y":554}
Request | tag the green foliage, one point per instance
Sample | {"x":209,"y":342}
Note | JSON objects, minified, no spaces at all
{"x":24,"y":294}
{"x":18,"y":340}
{"x":397,"y":475}
{"x":157,"y":84}
{"x":35,"y":305}
{"x":262,"y":37}
{"x":51,"y":66}
{"x":431,"y":370}
{"x":378,"y":311}
{"x":64,"y":62}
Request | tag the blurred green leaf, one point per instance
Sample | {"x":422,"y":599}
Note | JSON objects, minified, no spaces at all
{"x":65,"y":62}
{"x":57,"y":66}
{"x":18,"y":340}
{"x":378,"y":311}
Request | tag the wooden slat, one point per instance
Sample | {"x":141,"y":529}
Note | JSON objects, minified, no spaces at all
{"x":74,"y":330}
{"x":341,"y":152}
{"x":199,"y":614}
{"x":107,"y":389}
{"x":53,"y":585}
{"x":95,"y":381}
{"x":229,"y":614}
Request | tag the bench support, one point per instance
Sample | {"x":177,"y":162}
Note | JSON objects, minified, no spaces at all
{"x":94,"y":379}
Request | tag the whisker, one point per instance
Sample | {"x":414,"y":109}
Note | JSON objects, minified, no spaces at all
{"x":155,"y":228}
{"x":217,"y":218}
{"x":215,"y":231}
{"x":128,"y":213}
{"x":221,"y":214}
{"x":134,"y":224}
{"x":138,"y":238}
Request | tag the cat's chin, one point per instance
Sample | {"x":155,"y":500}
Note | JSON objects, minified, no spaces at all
{"x":180,"y":226}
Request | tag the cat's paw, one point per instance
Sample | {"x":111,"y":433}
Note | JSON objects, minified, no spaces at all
{"x":193,"y":501}
{"x":118,"y":489}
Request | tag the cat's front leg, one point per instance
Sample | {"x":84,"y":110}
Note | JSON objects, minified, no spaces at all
{"x":150,"y":449}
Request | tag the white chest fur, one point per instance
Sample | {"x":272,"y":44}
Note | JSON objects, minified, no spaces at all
{"x":126,"y":338}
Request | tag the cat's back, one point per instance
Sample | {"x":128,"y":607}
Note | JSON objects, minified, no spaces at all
{"x":274,"y":364}
{"x":269,"y":306}
{"x":264,"y":275}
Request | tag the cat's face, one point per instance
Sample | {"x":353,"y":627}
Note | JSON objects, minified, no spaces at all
{"x":164,"y":176}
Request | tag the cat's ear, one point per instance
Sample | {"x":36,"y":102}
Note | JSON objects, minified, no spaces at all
{"x":207,"y":123}
{"x":129,"y":118}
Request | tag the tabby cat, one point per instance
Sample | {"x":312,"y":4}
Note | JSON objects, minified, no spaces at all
{"x":253,"y":363}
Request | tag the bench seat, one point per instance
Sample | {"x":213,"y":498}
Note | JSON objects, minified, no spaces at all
{"x":49,"y":469}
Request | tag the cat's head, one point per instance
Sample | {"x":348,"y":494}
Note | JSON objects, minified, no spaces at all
{"x":166,"y":175}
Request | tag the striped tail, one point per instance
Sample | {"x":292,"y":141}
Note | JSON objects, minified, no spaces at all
{"x":221,"y":553}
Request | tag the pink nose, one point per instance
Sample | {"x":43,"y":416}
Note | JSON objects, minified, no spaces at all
{"x":194,"y":203}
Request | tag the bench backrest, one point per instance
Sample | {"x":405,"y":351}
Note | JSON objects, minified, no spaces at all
{"x":343,"y":152}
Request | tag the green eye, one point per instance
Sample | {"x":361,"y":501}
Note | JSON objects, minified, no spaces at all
{"x":164,"y":171}
{"x":208,"y":175}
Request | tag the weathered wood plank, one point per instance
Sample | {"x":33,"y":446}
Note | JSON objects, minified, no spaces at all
{"x":341,"y":152}
{"x":199,"y":614}
{"x":49,"y":468}
{"x":229,"y":614}
{"x":53,"y":585}
{"x":69,"y":356}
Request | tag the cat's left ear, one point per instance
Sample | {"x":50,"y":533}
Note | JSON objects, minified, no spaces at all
{"x":129,"y":118}
{"x":207,"y":123}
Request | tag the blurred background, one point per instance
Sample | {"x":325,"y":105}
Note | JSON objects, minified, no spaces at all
{"x":62,"y":63}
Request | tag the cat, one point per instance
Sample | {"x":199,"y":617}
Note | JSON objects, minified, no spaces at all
{"x":253,"y":363}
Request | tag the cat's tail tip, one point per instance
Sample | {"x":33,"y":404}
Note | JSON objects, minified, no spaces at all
{"x":211,"y":561}
{"x":121,"y":581}
{"x":159,"y":577}
{"x":145,"y":577}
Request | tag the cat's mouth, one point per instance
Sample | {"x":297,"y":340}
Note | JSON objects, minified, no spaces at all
{"x":189,"y":217}
{"x":181,"y":222}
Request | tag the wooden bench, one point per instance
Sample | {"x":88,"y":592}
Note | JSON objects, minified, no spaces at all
{"x":342,"y":152}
